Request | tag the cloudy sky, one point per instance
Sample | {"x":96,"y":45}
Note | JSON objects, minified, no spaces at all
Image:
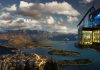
{"x":47,"y":15}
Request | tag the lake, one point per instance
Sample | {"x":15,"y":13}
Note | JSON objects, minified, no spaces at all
{"x":69,"y":46}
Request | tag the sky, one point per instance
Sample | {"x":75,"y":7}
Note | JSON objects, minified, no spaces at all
{"x":47,"y":15}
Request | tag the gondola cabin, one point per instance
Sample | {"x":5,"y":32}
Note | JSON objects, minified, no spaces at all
{"x":90,"y":34}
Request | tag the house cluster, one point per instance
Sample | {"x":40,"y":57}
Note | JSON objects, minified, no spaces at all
{"x":26,"y":62}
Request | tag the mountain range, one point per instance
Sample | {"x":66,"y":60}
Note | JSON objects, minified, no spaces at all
{"x":36,"y":35}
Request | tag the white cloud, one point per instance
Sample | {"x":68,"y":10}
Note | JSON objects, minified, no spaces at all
{"x":50,"y":20}
{"x":22,"y":23}
{"x":86,"y":1}
{"x":61,"y":8}
{"x":72,"y":19}
{"x":25,"y":4}
{"x":40,"y":10}
{"x":11,"y":8}
{"x":40,"y":17}
{"x":5,"y":16}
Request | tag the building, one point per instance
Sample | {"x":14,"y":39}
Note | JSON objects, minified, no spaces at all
{"x":89,"y":34}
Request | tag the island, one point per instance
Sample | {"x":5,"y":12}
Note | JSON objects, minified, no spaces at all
{"x":63,"y":53}
{"x":74,"y":62}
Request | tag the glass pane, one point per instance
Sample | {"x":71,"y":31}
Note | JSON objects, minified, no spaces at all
{"x":86,"y":37}
{"x":96,"y":36}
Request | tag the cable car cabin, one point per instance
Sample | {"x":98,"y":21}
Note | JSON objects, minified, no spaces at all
{"x":90,"y":34}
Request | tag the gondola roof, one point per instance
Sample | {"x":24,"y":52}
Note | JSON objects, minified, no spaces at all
{"x":95,"y":13}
